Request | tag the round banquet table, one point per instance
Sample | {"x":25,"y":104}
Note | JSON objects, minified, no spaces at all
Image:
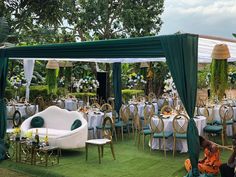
{"x":216,"y":116}
{"x":181,"y":144}
{"x":141,"y":106}
{"x":21,"y":108}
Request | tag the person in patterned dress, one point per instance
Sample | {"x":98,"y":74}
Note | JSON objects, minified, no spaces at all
{"x":211,"y":163}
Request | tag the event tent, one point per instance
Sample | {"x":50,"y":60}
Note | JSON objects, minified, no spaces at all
{"x":205,"y":46}
{"x":180,"y":51}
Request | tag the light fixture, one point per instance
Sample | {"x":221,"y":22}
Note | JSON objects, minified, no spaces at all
{"x":220,"y":52}
{"x":52,"y":64}
{"x":144,"y":65}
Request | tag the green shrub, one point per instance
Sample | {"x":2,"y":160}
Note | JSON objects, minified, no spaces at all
{"x":9,"y":93}
{"x":128,"y":93}
{"x":35,"y":91}
{"x":202,"y":82}
{"x":81,"y":95}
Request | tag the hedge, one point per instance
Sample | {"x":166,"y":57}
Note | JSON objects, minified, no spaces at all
{"x":128,"y":93}
{"x":41,"y":90}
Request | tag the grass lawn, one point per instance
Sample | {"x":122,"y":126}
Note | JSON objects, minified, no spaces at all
{"x":130,"y":161}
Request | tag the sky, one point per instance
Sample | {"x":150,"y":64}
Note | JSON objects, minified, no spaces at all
{"x":209,"y":17}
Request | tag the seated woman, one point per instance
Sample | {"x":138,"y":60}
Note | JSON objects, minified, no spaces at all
{"x":211,"y":162}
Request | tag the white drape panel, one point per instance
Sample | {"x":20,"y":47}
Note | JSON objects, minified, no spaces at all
{"x":28,"y":71}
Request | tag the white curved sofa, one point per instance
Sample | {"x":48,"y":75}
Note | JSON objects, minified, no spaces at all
{"x":58,"y":123}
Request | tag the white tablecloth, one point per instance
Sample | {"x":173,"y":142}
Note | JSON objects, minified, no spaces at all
{"x":21,"y":108}
{"x":141,"y":108}
{"x":216,"y":116}
{"x":181,"y":144}
{"x":160,"y":102}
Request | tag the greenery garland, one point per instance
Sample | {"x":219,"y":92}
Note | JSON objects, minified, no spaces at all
{"x":51,"y":79}
{"x":219,"y":78}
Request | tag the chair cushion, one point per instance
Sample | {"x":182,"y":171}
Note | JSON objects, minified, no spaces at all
{"x":181,"y":135}
{"x":165,"y":134}
{"x":76,"y":124}
{"x":120,"y":124}
{"x":106,"y":127}
{"x":146,"y":132}
{"x":228,"y":122}
{"x":37,"y":122}
{"x":213,"y":128}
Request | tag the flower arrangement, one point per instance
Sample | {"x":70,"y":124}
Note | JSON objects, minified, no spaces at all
{"x":17,"y":132}
{"x":169,"y":84}
{"x":17,"y":81}
{"x":86,"y":84}
{"x":208,"y":78}
{"x":232,"y":78}
{"x":135,"y":79}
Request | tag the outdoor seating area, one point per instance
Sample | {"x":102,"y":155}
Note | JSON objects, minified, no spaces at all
{"x":97,"y":88}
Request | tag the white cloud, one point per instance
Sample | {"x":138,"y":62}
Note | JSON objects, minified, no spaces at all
{"x":200,"y":16}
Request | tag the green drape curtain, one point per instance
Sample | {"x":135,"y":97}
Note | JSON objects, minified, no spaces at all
{"x":116,"y":77}
{"x":181,"y":53}
{"x":3,"y":76}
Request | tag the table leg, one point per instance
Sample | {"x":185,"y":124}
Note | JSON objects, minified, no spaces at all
{"x":46,"y":158}
{"x":99,"y":154}
{"x":86,"y":148}
{"x":58,"y":154}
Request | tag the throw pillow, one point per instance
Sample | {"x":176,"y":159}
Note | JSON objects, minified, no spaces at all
{"x":76,"y":124}
{"x":37,"y":122}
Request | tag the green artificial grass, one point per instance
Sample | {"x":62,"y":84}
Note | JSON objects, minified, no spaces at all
{"x":11,"y":173}
{"x":130,"y":161}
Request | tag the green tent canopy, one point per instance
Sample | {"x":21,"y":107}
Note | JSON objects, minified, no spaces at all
{"x":180,"y":51}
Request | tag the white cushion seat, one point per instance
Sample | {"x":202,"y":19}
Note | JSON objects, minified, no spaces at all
{"x":98,"y":141}
{"x":51,"y":132}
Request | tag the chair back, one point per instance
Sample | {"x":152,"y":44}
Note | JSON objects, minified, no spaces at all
{"x":6,"y":101}
{"x":17,"y":119}
{"x":60,"y":103}
{"x":137,"y":123}
{"x":141,"y":98}
{"x":148,"y":112}
{"x":133,"y":110}
{"x":40,"y":102}
{"x":124,"y":113}
{"x":151,"y":97}
{"x":96,"y":105}
{"x":22,"y":100}
{"x":180,"y":123}
{"x":200,"y":102}
{"x":10,"y":111}
{"x":111,"y":101}
{"x":107,"y":133}
{"x":106,"y":107}
{"x":226,"y":112}
{"x":157,"y":125}
{"x":30,"y":110}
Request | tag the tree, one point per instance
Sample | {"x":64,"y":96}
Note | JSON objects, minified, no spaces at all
{"x":108,"y":19}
